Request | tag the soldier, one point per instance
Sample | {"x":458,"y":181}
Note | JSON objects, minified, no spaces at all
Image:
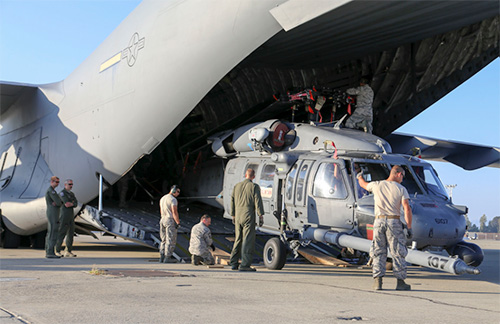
{"x":169,"y":224}
{"x":363,"y":114}
{"x":53,"y":208}
{"x":67,"y":219}
{"x":245,"y":201}
{"x":389,"y":194}
{"x":201,"y":240}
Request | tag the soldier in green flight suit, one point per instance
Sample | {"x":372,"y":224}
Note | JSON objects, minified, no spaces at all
{"x":245,"y":201}
{"x":53,"y":208}
{"x":67,"y":220}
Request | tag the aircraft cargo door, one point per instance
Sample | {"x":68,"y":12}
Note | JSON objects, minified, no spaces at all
{"x":331,"y":202}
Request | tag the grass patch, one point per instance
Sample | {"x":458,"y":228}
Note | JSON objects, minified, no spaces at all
{"x":96,"y":271}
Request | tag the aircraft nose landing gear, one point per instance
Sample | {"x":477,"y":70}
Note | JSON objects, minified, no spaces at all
{"x":274,"y":254}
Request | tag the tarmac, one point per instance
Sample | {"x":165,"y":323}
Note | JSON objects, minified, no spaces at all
{"x":115,"y":281}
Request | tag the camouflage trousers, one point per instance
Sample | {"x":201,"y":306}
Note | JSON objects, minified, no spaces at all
{"x":168,"y":235}
{"x":388,"y":233}
{"x":360,"y":121}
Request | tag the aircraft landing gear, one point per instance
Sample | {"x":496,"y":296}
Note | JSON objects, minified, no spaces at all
{"x":10,"y":240}
{"x":274,"y":254}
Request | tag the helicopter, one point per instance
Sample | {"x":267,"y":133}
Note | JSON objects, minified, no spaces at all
{"x":307,"y":177}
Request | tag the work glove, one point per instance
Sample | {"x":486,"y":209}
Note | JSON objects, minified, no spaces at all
{"x":359,"y":174}
{"x":409,"y":234}
{"x":212,"y":246}
{"x":177,"y":225}
{"x":261,"y":221}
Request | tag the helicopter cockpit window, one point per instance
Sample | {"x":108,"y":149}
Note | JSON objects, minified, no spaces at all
{"x":289,"y":182}
{"x":372,"y":171}
{"x":409,"y":182}
{"x":329,"y":182}
{"x":267,"y":180}
{"x":430,"y":180}
{"x":301,"y":181}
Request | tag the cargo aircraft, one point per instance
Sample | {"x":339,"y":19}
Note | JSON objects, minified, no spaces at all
{"x":191,"y":68}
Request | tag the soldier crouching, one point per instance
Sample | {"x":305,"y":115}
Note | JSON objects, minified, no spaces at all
{"x":201,"y":241}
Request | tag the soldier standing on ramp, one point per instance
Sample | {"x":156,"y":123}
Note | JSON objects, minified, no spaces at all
{"x":67,"y":219}
{"x":53,"y":208}
{"x":245,"y":201}
{"x":169,"y":223}
{"x":388,"y":228}
{"x":201,"y":241}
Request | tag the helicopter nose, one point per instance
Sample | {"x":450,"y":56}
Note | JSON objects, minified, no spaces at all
{"x":433,"y":225}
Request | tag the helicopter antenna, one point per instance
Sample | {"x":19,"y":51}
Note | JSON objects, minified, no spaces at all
{"x":337,"y":125}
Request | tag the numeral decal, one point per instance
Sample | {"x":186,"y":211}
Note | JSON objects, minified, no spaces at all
{"x":436,"y":262}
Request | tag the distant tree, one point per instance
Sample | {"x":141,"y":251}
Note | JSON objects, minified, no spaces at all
{"x":473,"y":228}
{"x":482,"y":223}
{"x":494,"y":225}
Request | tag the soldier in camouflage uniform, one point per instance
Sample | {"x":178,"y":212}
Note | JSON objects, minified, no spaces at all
{"x":53,"y":208}
{"x":169,"y":223}
{"x":67,"y":219}
{"x":201,"y":241}
{"x":363,"y":114}
{"x":245,"y":201}
{"x":388,"y":228}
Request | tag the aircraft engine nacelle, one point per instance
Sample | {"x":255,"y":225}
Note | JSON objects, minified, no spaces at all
{"x":25,"y":218}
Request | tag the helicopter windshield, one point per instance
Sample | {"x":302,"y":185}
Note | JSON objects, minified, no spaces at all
{"x":409,"y":182}
{"x":430,"y":180}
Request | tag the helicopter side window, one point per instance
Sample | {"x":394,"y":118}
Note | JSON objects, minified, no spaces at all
{"x":289,"y":182}
{"x":300,"y":182}
{"x":253,"y":166}
{"x":267,"y":176}
{"x":430,"y":180}
{"x":267,"y":180}
{"x":329,"y":182}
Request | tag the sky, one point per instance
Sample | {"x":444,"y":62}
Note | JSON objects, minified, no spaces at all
{"x":44,"y":41}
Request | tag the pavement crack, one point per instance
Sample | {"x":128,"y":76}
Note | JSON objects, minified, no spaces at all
{"x":372,"y":292}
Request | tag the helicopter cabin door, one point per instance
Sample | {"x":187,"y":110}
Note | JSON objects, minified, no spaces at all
{"x":331,"y":201}
{"x":296,"y":192}
{"x":268,"y":183}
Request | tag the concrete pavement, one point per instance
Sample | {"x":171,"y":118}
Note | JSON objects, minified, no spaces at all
{"x":130,"y":287}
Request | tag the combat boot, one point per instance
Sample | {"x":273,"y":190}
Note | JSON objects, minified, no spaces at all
{"x":377,"y":283}
{"x":402,"y":285}
{"x":169,"y":260}
{"x":195,"y":260}
{"x":162,"y":258}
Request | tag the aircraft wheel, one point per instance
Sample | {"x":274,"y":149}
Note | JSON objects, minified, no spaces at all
{"x":10,"y":239}
{"x":274,"y":254}
{"x":38,"y":240}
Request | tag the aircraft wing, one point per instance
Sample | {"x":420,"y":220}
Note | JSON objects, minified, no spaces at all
{"x":465,"y":155}
{"x":10,"y":92}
